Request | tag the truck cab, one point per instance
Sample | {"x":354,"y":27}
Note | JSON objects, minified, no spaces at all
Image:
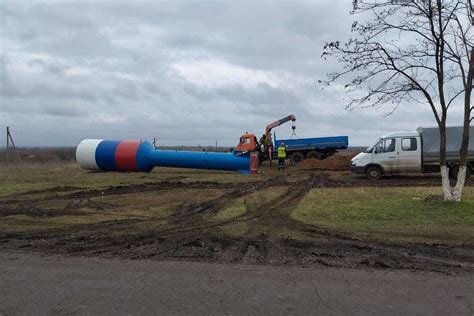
{"x":397,"y":152}
{"x":247,"y":142}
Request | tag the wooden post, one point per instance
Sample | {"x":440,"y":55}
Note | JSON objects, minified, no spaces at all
{"x":8,"y":142}
{"x":10,"y":138}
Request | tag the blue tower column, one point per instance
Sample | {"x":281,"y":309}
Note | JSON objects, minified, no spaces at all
{"x":109,"y":155}
{"x":148,"y":157}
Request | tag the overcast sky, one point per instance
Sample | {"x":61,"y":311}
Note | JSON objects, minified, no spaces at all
{"x":187,"y":72}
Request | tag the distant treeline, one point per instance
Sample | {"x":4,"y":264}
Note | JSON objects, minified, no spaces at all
{"x":39,"y":155}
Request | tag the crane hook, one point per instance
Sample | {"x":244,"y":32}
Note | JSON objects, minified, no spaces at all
{"x":293,"y":127}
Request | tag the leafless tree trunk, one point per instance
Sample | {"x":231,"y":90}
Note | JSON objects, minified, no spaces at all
{"x":468,"y":109}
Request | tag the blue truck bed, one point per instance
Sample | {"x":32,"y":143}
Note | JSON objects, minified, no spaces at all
{"x":322,"y":143}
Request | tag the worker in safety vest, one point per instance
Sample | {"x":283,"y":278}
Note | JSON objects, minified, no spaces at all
{"x":281,"y":156}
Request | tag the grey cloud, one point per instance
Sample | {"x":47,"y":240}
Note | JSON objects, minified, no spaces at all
{"x":63,"y":110}
{"x":261,"y":94}
{"x":106,"y":69}
{"x":59,"y":28}
{"x":51,"y":68}
{"x":53,"y":109}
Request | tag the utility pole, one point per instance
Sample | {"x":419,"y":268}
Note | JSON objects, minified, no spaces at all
{"x":10,"y":139}
{"x":8,"y":142}
{"x":216,"y":144}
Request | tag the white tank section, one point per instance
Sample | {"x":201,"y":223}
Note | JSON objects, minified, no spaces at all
{"x":85,"y":154}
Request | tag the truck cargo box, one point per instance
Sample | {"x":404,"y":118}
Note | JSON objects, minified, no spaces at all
{"x":430,"y":137}
{"x":335,"y":142}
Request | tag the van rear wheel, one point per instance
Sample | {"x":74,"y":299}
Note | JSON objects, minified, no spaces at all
{"x":373,"y":173}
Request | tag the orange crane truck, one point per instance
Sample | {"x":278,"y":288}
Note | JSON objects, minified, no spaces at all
{"x":297,"y":149}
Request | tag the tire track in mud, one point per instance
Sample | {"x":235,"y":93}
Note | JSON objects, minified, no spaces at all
{"x":117,"y":190}
{"x":189,"y":217}
{"x":192,"y":237}
{"x":186,"y":222}
{"x":329,"y":245}
{"x":328,"y":181}
{"x":182,"y":217}
{"x":328,"y":248}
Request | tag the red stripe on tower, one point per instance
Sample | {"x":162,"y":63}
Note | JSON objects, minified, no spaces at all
{"x":126,"y":155}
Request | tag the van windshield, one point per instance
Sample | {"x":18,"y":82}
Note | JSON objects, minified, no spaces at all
{"x":369,"y":149}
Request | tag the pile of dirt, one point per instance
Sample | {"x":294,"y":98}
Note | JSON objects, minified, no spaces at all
{"x":336,"y":162}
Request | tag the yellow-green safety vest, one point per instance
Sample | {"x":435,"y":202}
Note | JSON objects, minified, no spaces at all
{"x":281,"y":152}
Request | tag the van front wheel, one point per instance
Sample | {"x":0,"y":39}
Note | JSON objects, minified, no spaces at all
{"x":373,"y":173}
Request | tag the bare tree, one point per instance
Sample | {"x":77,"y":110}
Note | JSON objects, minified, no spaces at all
{"x":412,"y":50}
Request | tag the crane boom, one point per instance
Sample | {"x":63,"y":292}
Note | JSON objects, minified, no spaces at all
{"x":268,"y":132}
{"x":269,"y":127}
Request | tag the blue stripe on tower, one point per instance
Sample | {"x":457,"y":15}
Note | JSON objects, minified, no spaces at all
{"x":105,"y":155}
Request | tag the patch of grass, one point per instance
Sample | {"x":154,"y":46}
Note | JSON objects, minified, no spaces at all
{"x":146,"y":202}
{"x":238,"y":206}
{"x":267,"y":195}
{"x":45,"y":176}
{"x":237,"y":229}
{"x":287,"y":233}
{"x":26,"y":224}
{"x":21,"y":224}
{"x":152,"y":209}
{"x":236,"y":209}
{"x":402,"y":214}
{"x":29,"y":177}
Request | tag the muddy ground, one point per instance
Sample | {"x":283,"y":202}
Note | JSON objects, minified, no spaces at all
{"x":188,"y":231}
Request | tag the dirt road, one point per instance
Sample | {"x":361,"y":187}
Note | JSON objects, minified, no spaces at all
{"x":32,"y":284}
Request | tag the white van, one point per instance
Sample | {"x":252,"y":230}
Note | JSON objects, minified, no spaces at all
{"x":412,"y":151}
